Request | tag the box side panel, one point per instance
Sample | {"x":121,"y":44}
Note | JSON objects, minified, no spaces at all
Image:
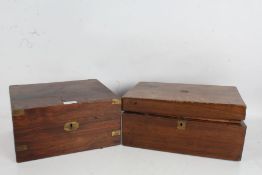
{"x":201,"y":138}
{"x":57,"y":130}
{"x":180,"y":109}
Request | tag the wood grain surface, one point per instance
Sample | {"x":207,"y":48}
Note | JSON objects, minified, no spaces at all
{"x":39,"y":129}
{"x":185,"y":100}
{"x":50,"y":94}
{"x":201,"y":138}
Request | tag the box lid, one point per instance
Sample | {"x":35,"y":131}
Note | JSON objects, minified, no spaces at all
{"x":59,"y":93}
{"x":185,"y":100}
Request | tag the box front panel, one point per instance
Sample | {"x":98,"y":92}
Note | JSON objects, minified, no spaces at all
{"x":195,"y":137}
{"x":58,"y":130}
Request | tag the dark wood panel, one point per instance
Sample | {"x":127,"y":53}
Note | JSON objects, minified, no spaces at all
{"x":44,"y":143}
{"x":201,"y":138}
{"x":181,"y":109}
{"x":54,"y":116}
{"x":50,"y":94}
{"x":185,"y":100}
{"x":42,"y":129}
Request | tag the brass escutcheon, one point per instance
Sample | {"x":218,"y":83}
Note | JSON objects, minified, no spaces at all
{"x":181,"y":124}
{"x":71,"y":126}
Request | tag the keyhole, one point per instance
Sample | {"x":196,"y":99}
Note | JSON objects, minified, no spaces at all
{"x":181,"y":124}
{"x":71,"y":126}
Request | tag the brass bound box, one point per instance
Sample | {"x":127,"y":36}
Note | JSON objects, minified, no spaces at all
{"x":58,"y":118}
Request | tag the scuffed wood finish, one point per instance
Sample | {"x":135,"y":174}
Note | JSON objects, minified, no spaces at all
{"x":185,"y":100}
{"x":199,"y":120}
{"x":39,"y":128}
{"x":50,"y":94}
{"x":201,"y":138}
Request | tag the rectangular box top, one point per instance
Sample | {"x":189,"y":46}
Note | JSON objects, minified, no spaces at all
{"x":185,"y":100}
{"x":58,"y":93}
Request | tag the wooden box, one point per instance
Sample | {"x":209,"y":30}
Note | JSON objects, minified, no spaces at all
{"x":190,"y":119}
{"x":58,"y":118}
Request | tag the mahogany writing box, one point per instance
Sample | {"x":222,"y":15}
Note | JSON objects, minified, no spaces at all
{"x":199,"y":120}
{"x":58,"y":118}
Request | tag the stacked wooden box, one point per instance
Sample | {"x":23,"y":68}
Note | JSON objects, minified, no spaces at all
{"x":190,"y":119}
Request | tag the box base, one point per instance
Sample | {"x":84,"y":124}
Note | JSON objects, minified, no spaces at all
{"x":195,"y":137}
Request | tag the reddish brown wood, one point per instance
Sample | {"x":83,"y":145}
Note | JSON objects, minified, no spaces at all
{"x":212,"y":115}
{"x":40,"y":127}
{"x":183,"y":100}
{"x":201,"y":138}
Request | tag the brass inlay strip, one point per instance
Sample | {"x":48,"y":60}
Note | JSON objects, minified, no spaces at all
{"x":18,"y":112}
{"x":116,"y":133}
{"x":116,"y":101}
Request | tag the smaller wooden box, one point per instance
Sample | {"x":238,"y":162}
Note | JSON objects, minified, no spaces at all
{"x":190,"y":119}
{"x":58,"y":118}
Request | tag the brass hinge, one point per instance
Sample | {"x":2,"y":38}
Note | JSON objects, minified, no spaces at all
{"x":116,"y":101}
{"x":116,"y":133}
{"x":181,"y":124}
{"x":18,"y":112}
{"x":21,"y":148}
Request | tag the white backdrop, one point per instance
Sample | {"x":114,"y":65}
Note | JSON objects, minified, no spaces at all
{"x":121,"y":42}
